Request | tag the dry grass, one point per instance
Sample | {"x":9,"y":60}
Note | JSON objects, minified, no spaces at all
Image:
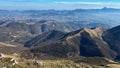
{"x":32,"y":63}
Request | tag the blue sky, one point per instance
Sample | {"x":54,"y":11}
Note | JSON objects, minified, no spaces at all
{"x":57,"y":4}
{"x":61,"y":0}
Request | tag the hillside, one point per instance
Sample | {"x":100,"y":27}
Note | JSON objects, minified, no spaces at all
{"x":8,"y":48}
{"x":20,"y":31}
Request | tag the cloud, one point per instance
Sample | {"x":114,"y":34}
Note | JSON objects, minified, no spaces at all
{"x":79,"y":2}
{"x":109,"y":4}
{"x":94,"y":3}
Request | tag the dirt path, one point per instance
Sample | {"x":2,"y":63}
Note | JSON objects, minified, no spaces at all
{"x":5,"y":44}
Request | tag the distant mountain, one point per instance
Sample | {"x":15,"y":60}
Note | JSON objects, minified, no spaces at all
{"x":105,"y":9}
{"x":21,"y":26}
{"x":22,"y":31}
{"x":85,"y":16}
{"x":85,"y":42}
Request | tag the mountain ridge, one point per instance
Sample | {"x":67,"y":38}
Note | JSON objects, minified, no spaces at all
{"x":84,"y":42}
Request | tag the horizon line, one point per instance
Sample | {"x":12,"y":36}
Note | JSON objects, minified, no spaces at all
{"x":112,"y":8}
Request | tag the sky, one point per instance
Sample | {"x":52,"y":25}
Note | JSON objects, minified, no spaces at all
{"x":57,"y":4}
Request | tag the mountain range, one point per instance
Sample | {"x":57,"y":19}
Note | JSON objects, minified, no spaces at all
{"x":21,"y":26}
{"x":63,"y":33}
{"x":84,"y":42}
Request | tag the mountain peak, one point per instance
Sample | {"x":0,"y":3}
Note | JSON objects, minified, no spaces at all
{"x":97,"y":32}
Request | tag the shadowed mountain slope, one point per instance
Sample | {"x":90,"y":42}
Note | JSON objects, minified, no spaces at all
{"x":112,"y":37}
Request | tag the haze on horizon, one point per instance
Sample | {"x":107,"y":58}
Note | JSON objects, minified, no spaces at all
{"x":57,"y":4}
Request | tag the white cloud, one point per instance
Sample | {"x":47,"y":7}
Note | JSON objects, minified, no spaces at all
{"x":99,"y":4}
{"x":79,"y":2}
{"x":92,"y":3}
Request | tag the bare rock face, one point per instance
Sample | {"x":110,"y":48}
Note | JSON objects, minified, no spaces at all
{"x":85,"y":42}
